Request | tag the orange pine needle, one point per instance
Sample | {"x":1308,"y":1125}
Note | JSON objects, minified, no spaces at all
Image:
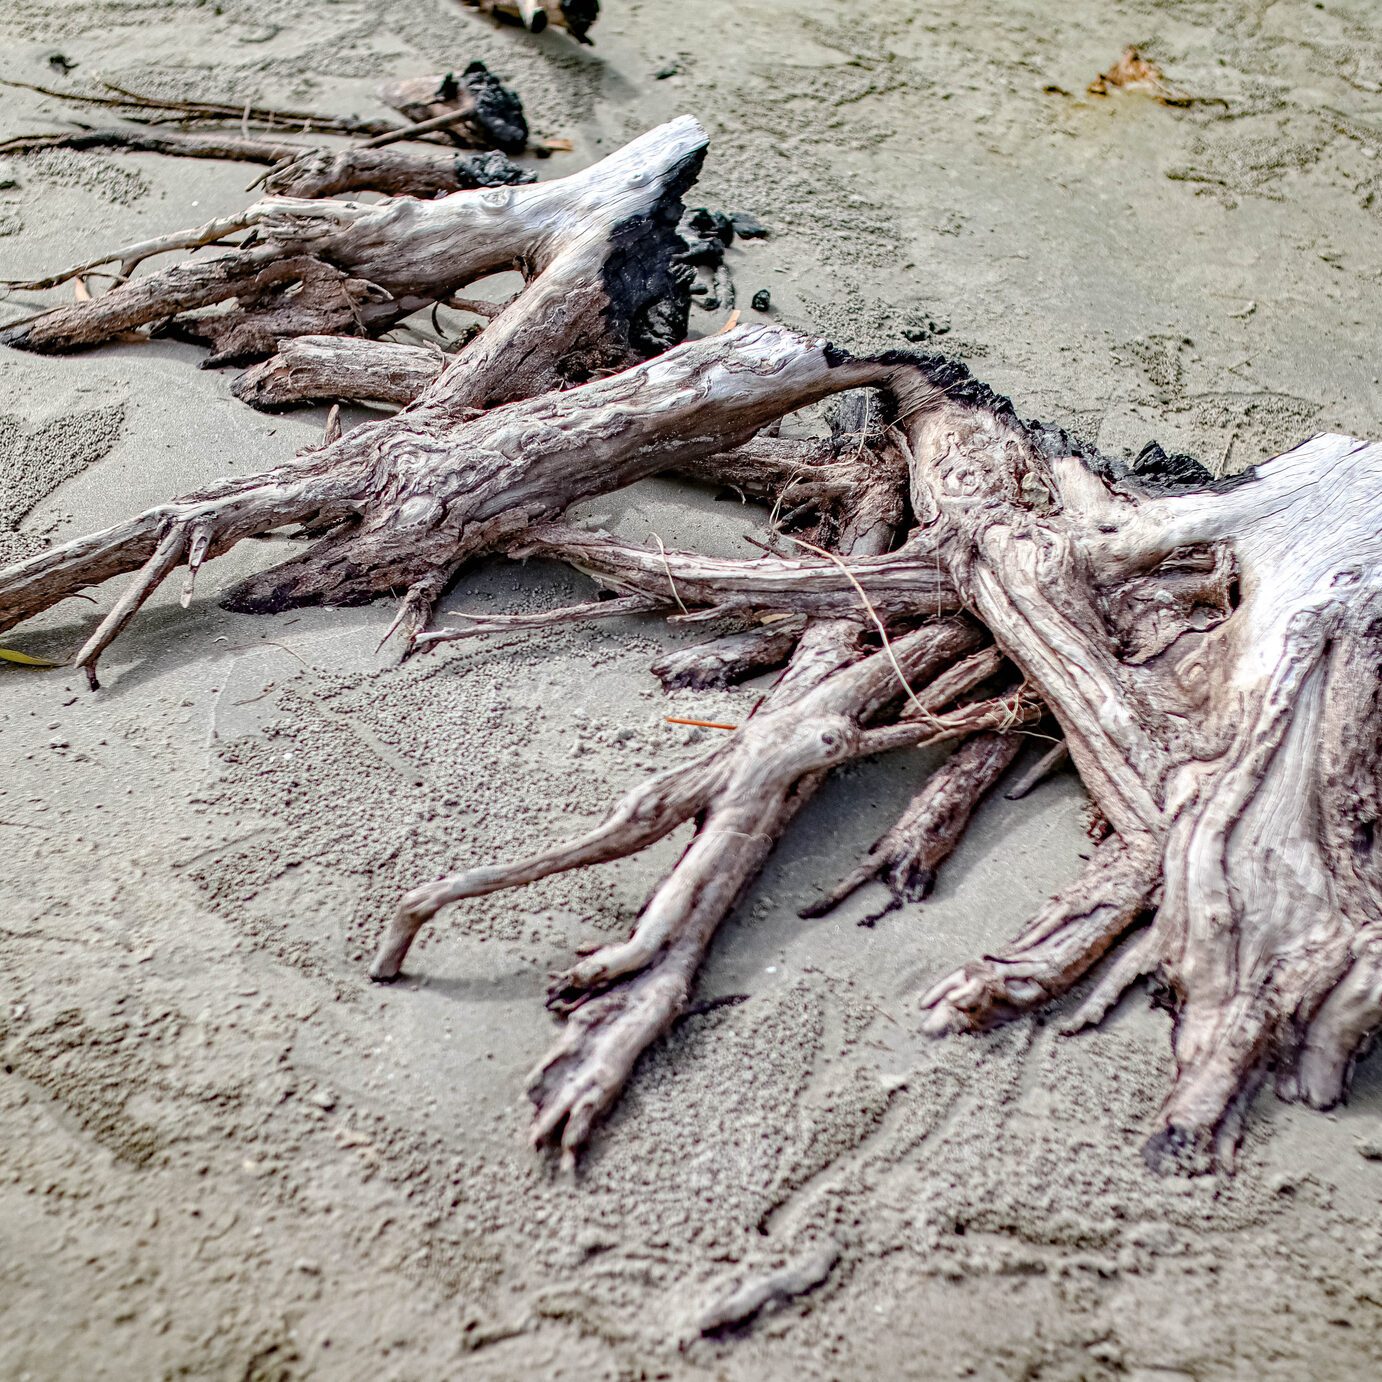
{"x":699,"y":724}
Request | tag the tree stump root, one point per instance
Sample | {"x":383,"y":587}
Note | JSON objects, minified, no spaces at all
{"x":1208,"y":649}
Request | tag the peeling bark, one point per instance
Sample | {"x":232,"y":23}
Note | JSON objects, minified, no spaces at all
{"x":329,"y":369}
{"x":729,"y":660}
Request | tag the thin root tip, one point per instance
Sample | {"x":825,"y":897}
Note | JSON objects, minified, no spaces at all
{"x":941,"y":1021}
{"x":1179,"y":1151}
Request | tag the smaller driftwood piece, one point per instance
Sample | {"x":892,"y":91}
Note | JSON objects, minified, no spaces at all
{"x":575,"y":16}
{"x":600,"y":251}
{"x":472,"y":111}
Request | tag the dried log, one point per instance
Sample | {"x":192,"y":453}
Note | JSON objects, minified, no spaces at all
{"x":575,"y":16}
{"x":305,"y":171}
{"x":392,"y":172}
{"x":480,"y":111}
{"x":601,"y":243}
{"x":218,"y":144}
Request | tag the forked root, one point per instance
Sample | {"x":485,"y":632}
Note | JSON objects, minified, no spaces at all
{"x":743,"y":794}
{"x":189,"y":530}
{"x":583,"y":1074}
{"x":645,"y":815}
{"x":1060,"y":944}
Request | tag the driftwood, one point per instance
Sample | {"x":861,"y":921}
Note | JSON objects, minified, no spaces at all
{"x":1208,"y":650}
{"x":604,"y":236}
{"x":474,"y":109}
{"x":575,"y":16}
{"x":299,"y":170}
{"x":480,"y":112}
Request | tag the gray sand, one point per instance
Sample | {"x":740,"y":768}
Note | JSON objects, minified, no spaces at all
{"x":224,"y":1154}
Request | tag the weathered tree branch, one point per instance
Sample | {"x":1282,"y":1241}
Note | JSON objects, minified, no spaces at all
{"x":305,"y":171}
{"x":575,"y":16}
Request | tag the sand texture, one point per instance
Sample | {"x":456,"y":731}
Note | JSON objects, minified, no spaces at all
{"x":224,"y":1154}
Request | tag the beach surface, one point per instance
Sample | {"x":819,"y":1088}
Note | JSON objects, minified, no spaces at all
{"x":225,"y":1154}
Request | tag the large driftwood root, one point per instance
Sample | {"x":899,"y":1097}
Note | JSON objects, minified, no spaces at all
{"x":1209,"y":651}
{"x":600,"y":250}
